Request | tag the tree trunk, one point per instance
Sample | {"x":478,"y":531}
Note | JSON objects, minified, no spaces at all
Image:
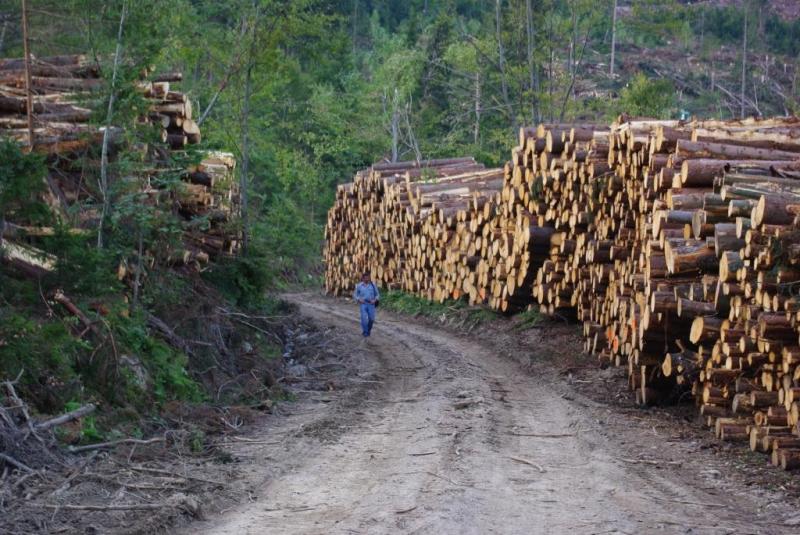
{"x":355,"y":24}
{"x":702,"y":25}
{"x":106,"y":132}
{"x":231,"y":70}
{"x":412,"y":139}
{"x":2,"y":231}
{"x":28,"y":84}
{"x":137,"y":279}
{"x":744,"y":61}
{"x":3,"y":34}
{"x":613,"y":39}
{"x":395,"y":127}
{"x":534,"y":82}
{"x":502,"y":63}
{"x":573,"y":73}
{"x":550,"y":68}
{"x":476,"y":131}
{"x":243,"y":178}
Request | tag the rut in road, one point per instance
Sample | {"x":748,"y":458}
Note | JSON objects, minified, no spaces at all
{"x":519,"y":458}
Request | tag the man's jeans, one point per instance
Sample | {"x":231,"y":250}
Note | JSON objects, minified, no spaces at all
{"x":367,"y":318}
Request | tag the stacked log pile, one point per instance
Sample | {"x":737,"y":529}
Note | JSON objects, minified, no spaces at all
{"x":63,"y":90}
{"x":391,"y":218}
{"x":209,"y":200}
{"x":674,"y":243}
{"x":440,"y":229}
{"x":687,"y":237}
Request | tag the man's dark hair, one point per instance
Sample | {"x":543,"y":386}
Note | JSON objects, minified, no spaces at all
{"x":365,"y":274}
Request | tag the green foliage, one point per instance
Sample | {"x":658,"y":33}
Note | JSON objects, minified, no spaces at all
{"x":45,"y":352}
{"x":410,"y":304}
{"x":166,"y":367}
{"x":644,"y":97}
{"x":197,"y":440}
{"x":269,"y":350}
{"x":783,"y":36}
{"x":726,"y":23}
{"x":89,"y":432}
{"x":21,"y":182}
{"x":527,"y":319}
{"x":82,"y":268}
{"x":450,"y":311}
{"x":58,"y":365}
{"x":658,"y":23}
{"x":244,"y":279}
{"x":43,"y":349}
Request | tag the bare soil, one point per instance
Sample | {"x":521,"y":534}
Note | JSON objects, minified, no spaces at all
{"x":505,"y":431}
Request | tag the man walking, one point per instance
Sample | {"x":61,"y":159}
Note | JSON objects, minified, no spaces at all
{"x":367,"y":296}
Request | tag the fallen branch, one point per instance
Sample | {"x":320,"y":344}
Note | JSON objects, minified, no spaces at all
{"x":226,"y":312}
{"x":12,"y":393}
{"x":251,"y":442}
{"x":64,"y":418}
{"x":65,"y":301}
{"x":542,"y":435}
{"x":6,"y":417}
{"x":169,"y":335}
{"x":11,"y":231}
{"x":131,"y":507}
{"x":174,"y":474}
{"x":75,"y":473}
{"x":468,"y":402}
{"x":13,"y":462}
{"x":113,"y":443}
{"x":529,"y":463}
{"x":23,"y":479}
{"x":401,"y":511}
{"x":138,"y":486}
{"x":29,"y":260}
{"x":257,"y":328}
{"x":405,"y":400}
{"x":648,"y":461}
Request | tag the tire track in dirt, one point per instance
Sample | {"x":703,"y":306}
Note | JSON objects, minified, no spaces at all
{"x":521,"y":459}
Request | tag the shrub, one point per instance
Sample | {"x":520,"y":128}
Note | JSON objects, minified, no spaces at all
{"x":644,"y":97}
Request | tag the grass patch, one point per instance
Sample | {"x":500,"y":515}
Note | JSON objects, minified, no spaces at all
{"x":527,"y":319}
{"x":451,"y":312}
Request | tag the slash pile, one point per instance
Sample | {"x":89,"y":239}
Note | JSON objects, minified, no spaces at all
{"x":676,"y":244}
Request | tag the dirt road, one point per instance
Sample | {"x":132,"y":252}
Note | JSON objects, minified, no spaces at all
{"x":396,"y":454}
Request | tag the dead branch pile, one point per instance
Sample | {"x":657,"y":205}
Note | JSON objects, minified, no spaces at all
{"x":42,"y":488}
{"x":26,"y":444}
